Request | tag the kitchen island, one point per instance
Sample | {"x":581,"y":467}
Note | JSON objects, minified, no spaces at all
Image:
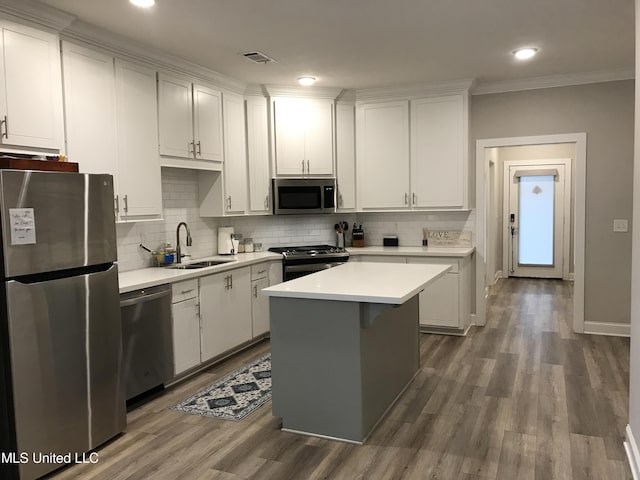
{"x":345,"y":345}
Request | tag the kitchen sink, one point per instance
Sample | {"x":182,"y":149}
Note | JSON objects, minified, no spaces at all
{"x":195,"y":265}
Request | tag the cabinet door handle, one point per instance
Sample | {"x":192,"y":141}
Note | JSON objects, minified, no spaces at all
{"x":406,"y":199}
{"x":192,"y":149}
{"x":303,"y":167}
{"x":116,"y":201}
{"x":414,"y":198}
{"x":308,"y":169}
{"x":5,"y":134}
{"x":199,"y":149}
{"x":266,"y":202}
{"x":226,"y":282}
{"x":340,"y":201}
{"x":126,"y":204}
{"x":186,"y":291}
{"x":255,"y":291}
{"x":229,"y":202}
{"x":231,"y":281}
{"x":261,"y":271}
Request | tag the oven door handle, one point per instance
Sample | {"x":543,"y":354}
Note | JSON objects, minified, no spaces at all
{"x":311,"y":267}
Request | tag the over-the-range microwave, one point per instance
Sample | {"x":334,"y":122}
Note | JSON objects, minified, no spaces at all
{"x":304,"y":195}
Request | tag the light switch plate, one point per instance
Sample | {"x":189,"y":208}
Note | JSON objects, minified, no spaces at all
{"x":620,"y":225}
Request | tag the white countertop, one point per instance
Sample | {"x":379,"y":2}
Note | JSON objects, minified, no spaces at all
{"x":413,"y":251}
{"x":152,"y":276}
{"x":361,"y":282}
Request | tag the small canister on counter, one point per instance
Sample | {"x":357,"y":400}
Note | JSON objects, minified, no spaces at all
{"x":357,"y":236}
{"x":248,"y":245}
{"x":238,"y":236}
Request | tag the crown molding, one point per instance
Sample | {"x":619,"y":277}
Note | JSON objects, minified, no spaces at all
{"x":123,"y":47}
{"x":551,"y":81}
{"x":36,"y":13}
{"x":348,"y":96}
{"x":255,"y":90}
{"x":301,"y":91}
{"x":414,"y":90}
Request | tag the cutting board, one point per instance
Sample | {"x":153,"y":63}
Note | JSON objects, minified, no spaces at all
{"x":46,"y":165}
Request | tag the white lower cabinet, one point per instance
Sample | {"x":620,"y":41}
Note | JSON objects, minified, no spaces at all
{"x":447,"y":301}
{"x":259,"y":307}
{"x":225,"y":307}
{"x":185,"y":326}
{"x":262,"y":276}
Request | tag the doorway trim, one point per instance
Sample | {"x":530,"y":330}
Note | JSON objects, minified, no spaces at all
{"x":566,"y":207}
{"x":579,"y":197}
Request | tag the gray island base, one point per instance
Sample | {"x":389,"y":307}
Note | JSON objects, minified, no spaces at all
{"x":344,"y":345}
{"x":339,"y":366}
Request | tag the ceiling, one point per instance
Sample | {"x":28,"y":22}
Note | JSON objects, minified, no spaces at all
{"x":376,"y":43}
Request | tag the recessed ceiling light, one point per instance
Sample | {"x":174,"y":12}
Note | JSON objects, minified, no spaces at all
{"x":525,"y":53}
{"x":306,"y":80}
{"x":143,"y":3}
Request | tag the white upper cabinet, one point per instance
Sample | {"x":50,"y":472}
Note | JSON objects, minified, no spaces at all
{"x":90,"y":108}
{"x":30,"y":88}
{"x":139,"y":177}
{"x":383,"y":155}
{"x":111,"y":116}
{"x":190,"y":120}
{"x":235,"y":166}
{"x":175,"y":108}
{"x":438,"y":146}
{"x":346,"y":156}
{"x":258,"y":155}
{"x":412,"y":154}
{"x":303,"y":131}
{"x":207,"y":123}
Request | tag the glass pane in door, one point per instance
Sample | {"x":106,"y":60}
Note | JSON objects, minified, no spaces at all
{"x":535,"y":239}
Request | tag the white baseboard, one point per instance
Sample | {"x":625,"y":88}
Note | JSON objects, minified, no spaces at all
{"x":612,"y":329}
{"x":633,"y":455}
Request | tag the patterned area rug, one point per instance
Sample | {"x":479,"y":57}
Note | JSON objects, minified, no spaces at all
{"x":235,"y":396}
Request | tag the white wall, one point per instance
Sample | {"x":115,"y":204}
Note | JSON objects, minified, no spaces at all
{"x":634,"y":381}
{"x":605,"y":112}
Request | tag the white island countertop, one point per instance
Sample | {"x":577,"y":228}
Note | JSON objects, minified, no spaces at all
{"x":390,"y":283}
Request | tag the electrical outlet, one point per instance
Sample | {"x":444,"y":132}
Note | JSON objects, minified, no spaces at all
{"x":620,"y":225}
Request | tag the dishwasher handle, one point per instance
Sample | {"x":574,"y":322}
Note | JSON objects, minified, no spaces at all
{"x":144,"y":297}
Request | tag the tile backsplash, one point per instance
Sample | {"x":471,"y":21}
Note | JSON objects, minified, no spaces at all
{"x":180,"y":201}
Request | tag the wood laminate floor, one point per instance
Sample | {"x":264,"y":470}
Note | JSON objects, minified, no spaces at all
{"x":522,"y":398}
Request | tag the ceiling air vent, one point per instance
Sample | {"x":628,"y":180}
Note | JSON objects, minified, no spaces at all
{"x":258,"y":57}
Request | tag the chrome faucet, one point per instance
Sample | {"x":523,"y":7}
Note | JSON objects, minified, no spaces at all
{"x":189,"y":241}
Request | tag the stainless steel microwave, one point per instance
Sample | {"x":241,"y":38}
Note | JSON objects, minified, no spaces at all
{"x":304,"y":195}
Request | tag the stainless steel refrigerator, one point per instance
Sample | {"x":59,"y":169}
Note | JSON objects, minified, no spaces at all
{"x":60,"y":334}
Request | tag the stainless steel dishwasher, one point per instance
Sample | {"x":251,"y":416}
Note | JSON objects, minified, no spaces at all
{"x":146,"y":339}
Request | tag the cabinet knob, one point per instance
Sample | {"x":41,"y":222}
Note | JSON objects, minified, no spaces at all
{"x":308,"y":169}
